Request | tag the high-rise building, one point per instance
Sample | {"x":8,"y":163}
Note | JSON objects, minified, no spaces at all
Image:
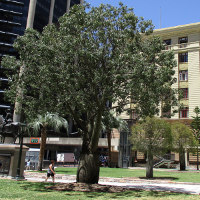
{"x":15,"y":17}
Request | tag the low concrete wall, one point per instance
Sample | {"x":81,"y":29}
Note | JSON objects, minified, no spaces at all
{"x":11,"y":151}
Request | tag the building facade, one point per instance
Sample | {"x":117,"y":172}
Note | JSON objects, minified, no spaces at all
{"x":15,"y":17}
{"x":184,"y":41}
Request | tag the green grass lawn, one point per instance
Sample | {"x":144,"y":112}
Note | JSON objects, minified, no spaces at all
{"x":23,"y":190}
{"x":184,"y":176}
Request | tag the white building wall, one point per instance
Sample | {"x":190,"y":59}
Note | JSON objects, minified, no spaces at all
{"x":194,"y":81}
{"x":175,"y":85}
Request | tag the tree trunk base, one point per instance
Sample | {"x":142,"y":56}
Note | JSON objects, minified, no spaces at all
{"x":88,"y":169}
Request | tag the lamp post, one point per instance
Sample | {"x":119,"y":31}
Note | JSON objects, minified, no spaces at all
{"x":20,"y":135}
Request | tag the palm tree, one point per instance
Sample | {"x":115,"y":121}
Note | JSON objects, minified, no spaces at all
{"x":41,"y":124}
{"x":110,"y":121}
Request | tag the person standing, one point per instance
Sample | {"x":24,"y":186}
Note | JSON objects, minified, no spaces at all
{"x":51,"y":172}
{"x":28,"y":165}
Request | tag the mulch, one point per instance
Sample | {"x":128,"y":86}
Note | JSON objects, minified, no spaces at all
{"x":84,"y":187}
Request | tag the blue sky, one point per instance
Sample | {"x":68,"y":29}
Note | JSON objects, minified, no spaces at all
{"x":172,"y":12}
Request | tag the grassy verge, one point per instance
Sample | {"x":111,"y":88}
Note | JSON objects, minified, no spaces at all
{"x":184,"y":176}
{"x":23,"y":190}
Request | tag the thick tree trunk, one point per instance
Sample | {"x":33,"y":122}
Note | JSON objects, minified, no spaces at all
{"x":182,"y":160}
{"x":88,"y":169}
{"x":42,"y":147}
{"x":149,"y":169}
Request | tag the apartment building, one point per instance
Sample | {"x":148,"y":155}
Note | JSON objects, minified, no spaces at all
{"x":184,"y":41}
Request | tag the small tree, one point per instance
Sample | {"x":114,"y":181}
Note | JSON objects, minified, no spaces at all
{"x":183,"y":139}
{"x":151,"y":136}
{"x":196,"y":130}
{"x":41,"y":124}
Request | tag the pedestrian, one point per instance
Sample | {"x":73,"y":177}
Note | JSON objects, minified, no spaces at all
{"x":28,"y":165}
{"x":51,"y":172}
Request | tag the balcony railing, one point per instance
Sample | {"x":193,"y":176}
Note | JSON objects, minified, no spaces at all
{"x":182,"y":46}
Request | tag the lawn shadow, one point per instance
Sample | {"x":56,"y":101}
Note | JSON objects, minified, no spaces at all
{"x":63,"y":172}
{"x":136,"y":194}
{"x":160,"y":178}
{"x":36,"y":186}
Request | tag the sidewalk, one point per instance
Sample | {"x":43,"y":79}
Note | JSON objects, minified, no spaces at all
{"x":155,"y":185}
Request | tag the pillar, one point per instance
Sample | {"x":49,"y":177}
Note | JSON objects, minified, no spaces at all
{"x":51,"y":11}
{"x":68,"y":6}
{"x":31,"y":13}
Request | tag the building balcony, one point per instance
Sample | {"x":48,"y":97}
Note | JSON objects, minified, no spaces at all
{"x":184,"y":102}
{"x":183,"y":46}
{"x":183,"y":66}
{"x":183,"y":84}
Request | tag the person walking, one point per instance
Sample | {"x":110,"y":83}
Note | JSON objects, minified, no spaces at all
{"x":51,"y":172}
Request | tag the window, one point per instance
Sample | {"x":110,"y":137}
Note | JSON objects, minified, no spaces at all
{"x":183,"y":57}
{"x":185,"y":93}
{"x":183,"y":40}
{"x":183,"y":75}
{"x":184,"y":113}
{"x":167,"y":43}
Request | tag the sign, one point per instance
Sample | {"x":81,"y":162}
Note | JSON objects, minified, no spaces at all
{"x":34,"y":140}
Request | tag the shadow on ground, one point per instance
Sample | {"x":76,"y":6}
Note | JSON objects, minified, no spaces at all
{"x":159,"y":178}
{"x":129,"y":192}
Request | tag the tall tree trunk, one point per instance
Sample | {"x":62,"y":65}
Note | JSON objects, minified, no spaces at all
{"x":149,"y":169}
{"x":109,"y":147}
{"x":182,"y":160}
{"x":42,"y":147}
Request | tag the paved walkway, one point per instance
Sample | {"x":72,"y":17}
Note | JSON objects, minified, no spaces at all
{"x":155,"y":185}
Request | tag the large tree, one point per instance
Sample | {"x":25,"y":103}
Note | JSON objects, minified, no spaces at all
{"x":152,"y":136}
{"x":90,"y":59}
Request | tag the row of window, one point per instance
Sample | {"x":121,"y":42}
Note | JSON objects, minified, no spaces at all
{"x":183,"y":113}
{"x":181,"y":40}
